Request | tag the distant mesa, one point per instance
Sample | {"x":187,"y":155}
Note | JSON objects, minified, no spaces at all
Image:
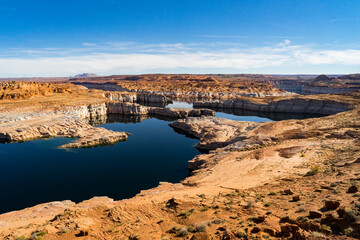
{"x":322,"y":78}
{"x":355,"y":76}
{"x":86,"y":75}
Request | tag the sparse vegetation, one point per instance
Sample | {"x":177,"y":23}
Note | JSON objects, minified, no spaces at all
{"x":183,"y":232}
{"x":349,"y":231}
{"x":314,"y":169}
{"x":249,"y":204}
{"x":201,"y":227}
{"x":186,"y":214}
{"x":317,"y":234}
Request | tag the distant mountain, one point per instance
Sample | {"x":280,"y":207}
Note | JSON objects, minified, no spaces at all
{"x":86,"y":75}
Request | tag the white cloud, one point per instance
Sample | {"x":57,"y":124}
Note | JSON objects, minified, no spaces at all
{"x":89,"y":44}
{"x":285,"y":43}
{"x":131,"y":58}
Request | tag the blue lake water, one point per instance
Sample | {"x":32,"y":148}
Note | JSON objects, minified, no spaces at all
{"x":38,"y":171}
{"x":246,"y":115}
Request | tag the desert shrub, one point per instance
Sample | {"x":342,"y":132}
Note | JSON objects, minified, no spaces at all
{"x":186,"y":214}
{"x":218,"y":221}
{"x":249,"y":204}
{"x":174,"y":229}
{"x":325,"y":227}
{"x":301,"y":209}
{"x":240,"y":234}
{"x":317,"y":235}
{"x":190,"y":229}
{"x":349,"y":231}
{"x":201,"y":228}
{"x":183,"y":232}
{"x":352,"y":215}
{"x":314,"y":169}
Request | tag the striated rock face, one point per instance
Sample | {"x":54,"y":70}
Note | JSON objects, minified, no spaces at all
{"x":137,"y":98}
{"x":291,"y":105}
{"x":91,"y":112}
{"x":136,"y":109}
{"x":127,"y":108}
{"x":312,"y":90}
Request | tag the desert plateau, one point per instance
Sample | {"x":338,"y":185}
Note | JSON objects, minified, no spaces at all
{"x":287,"y":178}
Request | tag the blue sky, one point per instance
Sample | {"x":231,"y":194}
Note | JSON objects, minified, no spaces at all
{"x":63,"y":38}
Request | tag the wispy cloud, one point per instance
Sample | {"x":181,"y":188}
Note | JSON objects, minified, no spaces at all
{"x":221,"y":36}
{"x":131,"y":58}
{"x":254,"y":37}
{"x":284,"y":37}
{"x":89,"y":44}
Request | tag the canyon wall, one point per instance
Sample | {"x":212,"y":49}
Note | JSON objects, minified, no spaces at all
{"x":136,"y":109}
{"x":293,"y":105}
{"x":156,"y":96}
{"x":142,"y":98}
{"x":310,"y":90}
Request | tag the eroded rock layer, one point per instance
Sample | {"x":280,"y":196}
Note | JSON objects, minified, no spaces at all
{"x":326,"y":104}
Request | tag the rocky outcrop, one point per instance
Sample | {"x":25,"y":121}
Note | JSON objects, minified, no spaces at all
{"x":60,"y":126}
{"x":213,"y":132}
{"x":290,"y":105}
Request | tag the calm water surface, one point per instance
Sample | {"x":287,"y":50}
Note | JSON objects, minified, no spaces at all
{"x":246,"y":115}
{"x":38,"y":171}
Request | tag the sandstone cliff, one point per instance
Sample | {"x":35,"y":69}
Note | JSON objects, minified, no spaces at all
{"x":322,"y":105}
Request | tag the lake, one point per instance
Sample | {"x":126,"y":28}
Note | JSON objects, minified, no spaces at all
{"x":38,"y":171}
